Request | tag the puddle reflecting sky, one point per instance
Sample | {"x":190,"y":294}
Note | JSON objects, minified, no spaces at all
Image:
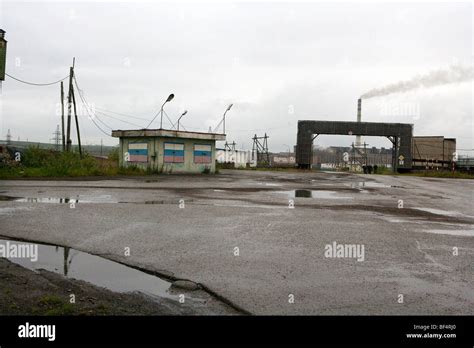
{"x":369,"y":184}
{"x":66,"y":200}
{"x":318,"y":194}
{"x":468,"y":233}
{"x":93,"y":269}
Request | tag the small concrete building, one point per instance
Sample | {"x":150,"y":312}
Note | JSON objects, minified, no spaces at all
{"x":168,"y":151}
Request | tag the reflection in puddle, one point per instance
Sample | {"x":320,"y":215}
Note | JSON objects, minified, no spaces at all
{"x":469,"y":233}
{"x":84,"y":199}
{"x":45,"y":200}
{"x":370,"y":184}
{"x":101,"y":272}
{"x":66,"y":200}
{"x":303,"y":193}
{"x":318,"y":194}
{"x":443,"y":212}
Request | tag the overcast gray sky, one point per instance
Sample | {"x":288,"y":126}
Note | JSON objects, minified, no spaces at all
{"x":276,"y":62}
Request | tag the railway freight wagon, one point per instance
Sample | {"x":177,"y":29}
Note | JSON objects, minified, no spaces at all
{"x":465,"y":164}
{"x":433,"y":152}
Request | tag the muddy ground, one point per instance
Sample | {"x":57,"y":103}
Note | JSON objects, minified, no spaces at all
{"x":25,"y":292}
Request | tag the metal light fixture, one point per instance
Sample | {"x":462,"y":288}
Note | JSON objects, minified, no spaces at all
{"x":184,"y":113}
{"x":170,"y":98}
{"x":228,"y":108}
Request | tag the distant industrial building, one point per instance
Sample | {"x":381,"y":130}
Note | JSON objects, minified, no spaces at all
{"x":350,"y":157}
{"x":433,"y":152}
{"x":233,"y":158}
{"x":283,"y":159}
{"x":168,"y":150}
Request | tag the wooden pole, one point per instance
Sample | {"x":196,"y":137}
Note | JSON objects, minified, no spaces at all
{"x":69,"y":110}
{"x":77,"y":122}
{"x":62,"y":117}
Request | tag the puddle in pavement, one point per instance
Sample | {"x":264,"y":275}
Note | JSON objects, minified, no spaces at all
{"x":79,"y":265}
{"x":83,"y":199}
{"x":443,"y":212}
{"x":63,"y":200}
{"x":369,"y":184}
{"x":319,"y":194}
{"x":468,"y":233}
{"x":303,"y":193}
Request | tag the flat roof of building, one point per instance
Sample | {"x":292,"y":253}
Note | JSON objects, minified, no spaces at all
{"x":167,"y":133}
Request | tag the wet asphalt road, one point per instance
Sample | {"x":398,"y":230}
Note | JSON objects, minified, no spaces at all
{"x":190,"y":226}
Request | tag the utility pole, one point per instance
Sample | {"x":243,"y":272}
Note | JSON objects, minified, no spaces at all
{"x":71,"y":101}
{"x":101,"y":145}
{"x":69,"y":108}
{"x":9,"y":138}
{"x":77,"y":122}
{"x":62,"y":117}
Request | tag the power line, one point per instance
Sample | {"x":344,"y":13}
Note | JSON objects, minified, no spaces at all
{"x":36,"y":84}
{"x":98,"y":119}
{"x":118,"y":119}
{"x":120,"y":114}
{"x":87,"y":109}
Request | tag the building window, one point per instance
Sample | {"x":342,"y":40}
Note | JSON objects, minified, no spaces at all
{"x":174,"y":153}
{"x":138,"y":152}
{"x":202,"y":153}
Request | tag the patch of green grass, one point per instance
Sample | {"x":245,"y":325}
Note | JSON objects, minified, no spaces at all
{"x":130,"y":170}
{"x":54,"y":305}
{"x":272,"y":169}
{"x":101,"y":310}
{"x":383,"y":170}
{"x":430,"y":174}
{"x":442,"y":174}
{"x":36,"y":162}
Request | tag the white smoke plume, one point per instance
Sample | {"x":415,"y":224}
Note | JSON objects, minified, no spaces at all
{"x":453,"y":74}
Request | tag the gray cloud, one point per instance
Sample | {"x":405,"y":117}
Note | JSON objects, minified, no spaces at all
{"x":276,"y":62}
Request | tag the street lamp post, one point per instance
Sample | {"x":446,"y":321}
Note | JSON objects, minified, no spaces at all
{"x":228,"y":108}
{"x":184,"y":113}
{"x":170,"y":98}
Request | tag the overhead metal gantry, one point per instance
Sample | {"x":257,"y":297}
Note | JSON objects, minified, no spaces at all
{"x":400,"y":134}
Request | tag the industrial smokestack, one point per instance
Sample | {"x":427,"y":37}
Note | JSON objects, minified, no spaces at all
{"x":359,"y":118}
{"x":359,"y":109}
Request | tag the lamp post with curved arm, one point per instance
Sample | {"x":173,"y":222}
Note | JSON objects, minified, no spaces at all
{"x":184,"y":113}
{"x":228,"y":108}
